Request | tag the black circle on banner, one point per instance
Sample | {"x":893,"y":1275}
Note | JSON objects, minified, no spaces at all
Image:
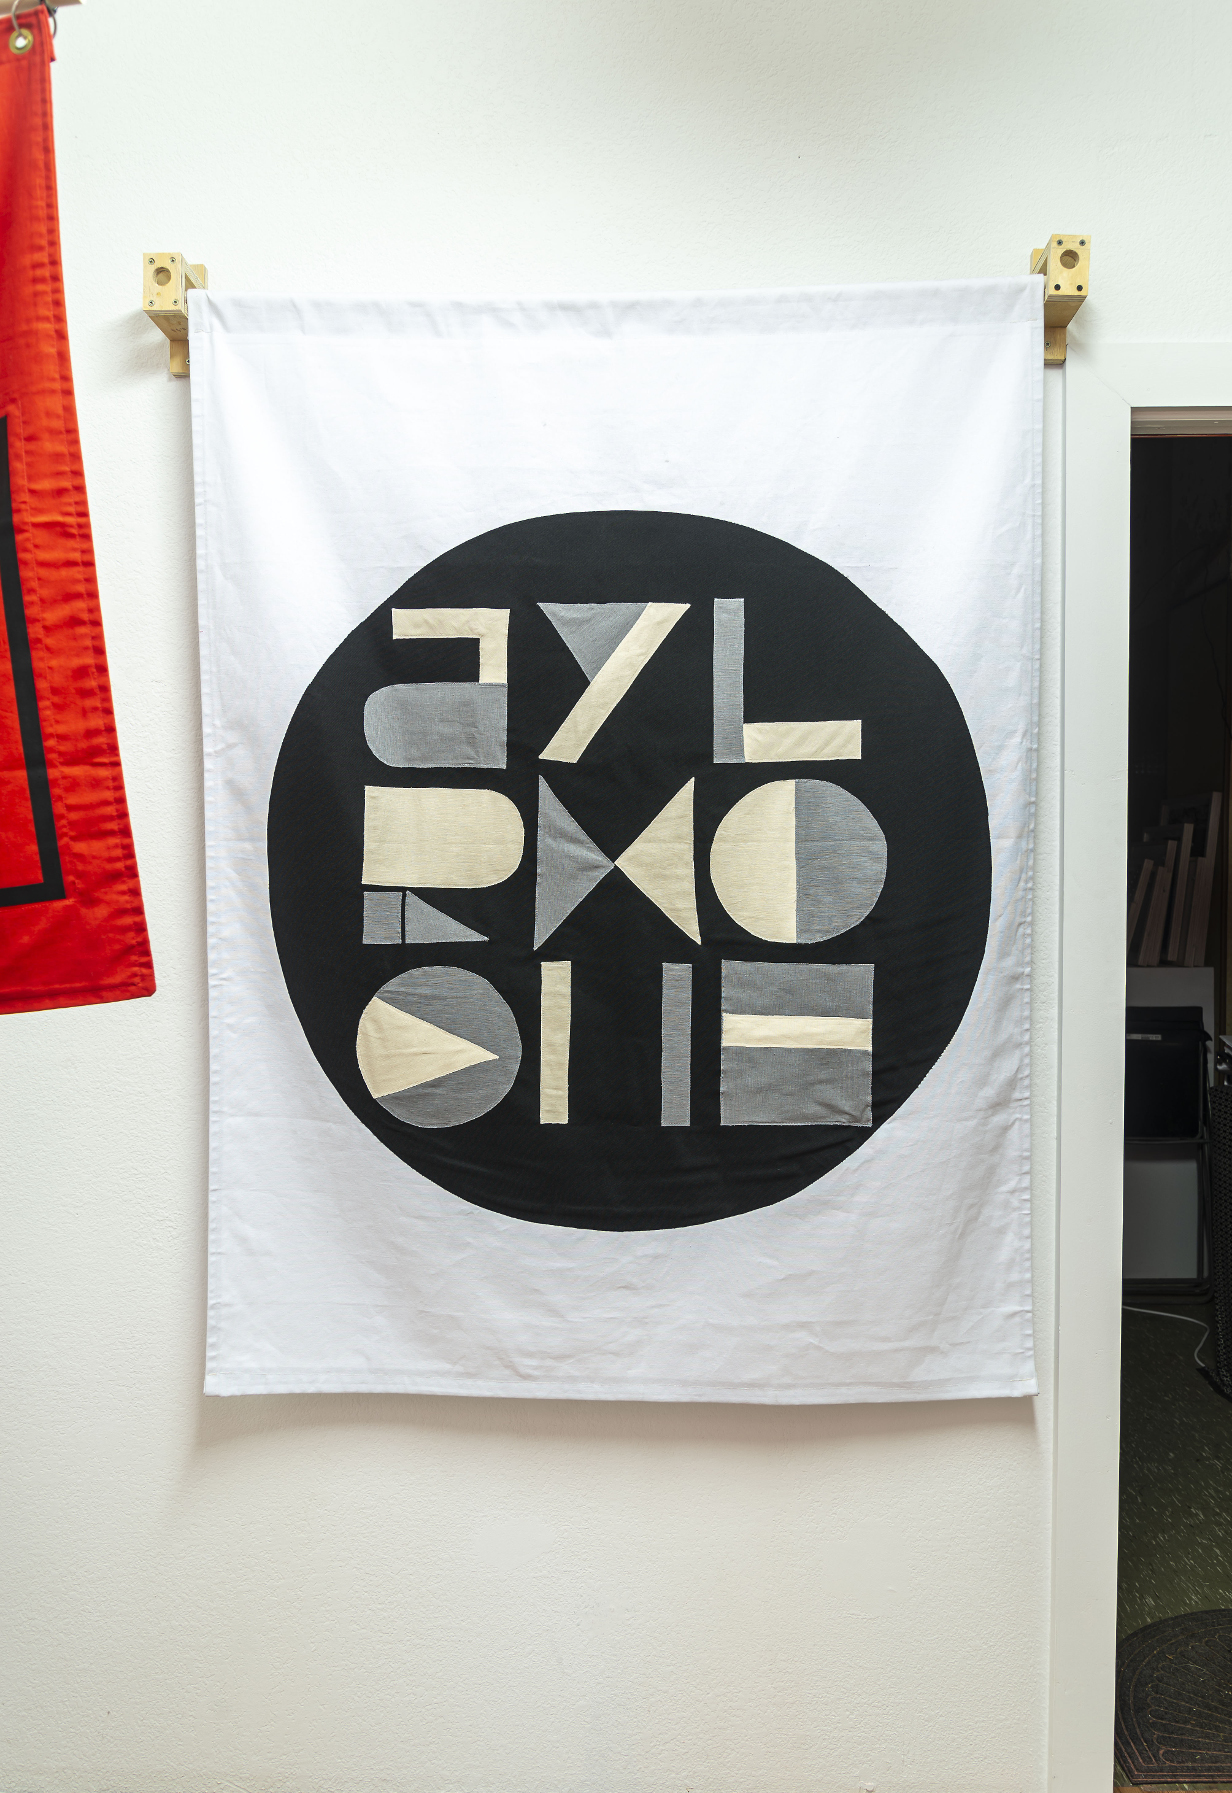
{"x":815,"y":649}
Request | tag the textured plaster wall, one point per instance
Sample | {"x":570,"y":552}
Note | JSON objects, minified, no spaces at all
{"x":360,"y":1593}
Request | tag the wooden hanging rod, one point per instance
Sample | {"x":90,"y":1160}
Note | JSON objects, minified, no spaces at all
{"x":166,"y":283}
{"x":1066,"y":266}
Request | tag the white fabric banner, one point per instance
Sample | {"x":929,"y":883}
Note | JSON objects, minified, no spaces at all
{"x":619,"y":723}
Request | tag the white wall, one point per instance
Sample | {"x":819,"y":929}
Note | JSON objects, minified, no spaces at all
{"x":324,"y":1592}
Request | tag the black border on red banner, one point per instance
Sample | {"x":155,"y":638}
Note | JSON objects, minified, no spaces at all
{"x":52,"y":886}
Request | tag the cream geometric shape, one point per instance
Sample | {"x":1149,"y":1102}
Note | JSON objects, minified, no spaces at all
{"x":660,"y":862}
{"x":798,"y":860}
{"x":802,"y":741}
{"x":440,"y":838}
{"x":611,"y":682}
{"x":396,"y":1051}
{"x":490,"y":626}
{"x":836,"y":1033}
{"x":555,"y":1024}
{"x":753,"y":861}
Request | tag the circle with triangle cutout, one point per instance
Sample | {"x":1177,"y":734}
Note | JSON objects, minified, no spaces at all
{"x":438,"y":1046}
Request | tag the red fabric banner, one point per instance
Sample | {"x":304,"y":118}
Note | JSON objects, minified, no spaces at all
{"x":72,"y":927}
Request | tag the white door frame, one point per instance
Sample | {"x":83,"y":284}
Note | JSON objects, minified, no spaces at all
{"x":1103,"y":388}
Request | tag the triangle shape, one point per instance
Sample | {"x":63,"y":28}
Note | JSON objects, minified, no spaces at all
{"x":592,"y":632}
{"x":660,"y":862}
{"x":396,"y":1051}
{"x":422,"y":922}
{"x":569,"y":865}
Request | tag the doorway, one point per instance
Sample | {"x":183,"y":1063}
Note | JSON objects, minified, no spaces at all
{"x":1174,"y":1571}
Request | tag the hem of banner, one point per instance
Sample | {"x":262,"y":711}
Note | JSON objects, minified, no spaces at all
{"x":222,"y":1382}
{"x":74,"y":996}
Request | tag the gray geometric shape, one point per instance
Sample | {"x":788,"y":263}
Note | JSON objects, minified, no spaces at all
{"x":795,"y":1086}
{"x":570,"y":864}
{"x":764,"y":989}
{"x":592,"y":632}
{"x":438,"y":725}
{"x":423,"y":922}
{"x":840,"y":860}
{"x":729,"y":681}
{"x":451,"y":1101}
{"x":677,"y":1044}
{"x":467,"y":1006}
{"x":382,"y":918}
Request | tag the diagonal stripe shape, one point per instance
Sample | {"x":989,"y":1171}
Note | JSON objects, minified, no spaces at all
{"x":612,"y":681}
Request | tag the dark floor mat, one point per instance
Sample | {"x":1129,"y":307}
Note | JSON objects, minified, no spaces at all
{"x":1176,"y":1475}
{"x":1174,"y":1702}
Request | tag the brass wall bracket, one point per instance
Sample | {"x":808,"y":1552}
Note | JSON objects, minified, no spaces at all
{"x":166,"y":282}
{"x":1066,"y":267}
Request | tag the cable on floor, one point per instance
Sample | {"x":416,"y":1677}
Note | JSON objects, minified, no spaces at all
{"x":1162,"y":1314}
